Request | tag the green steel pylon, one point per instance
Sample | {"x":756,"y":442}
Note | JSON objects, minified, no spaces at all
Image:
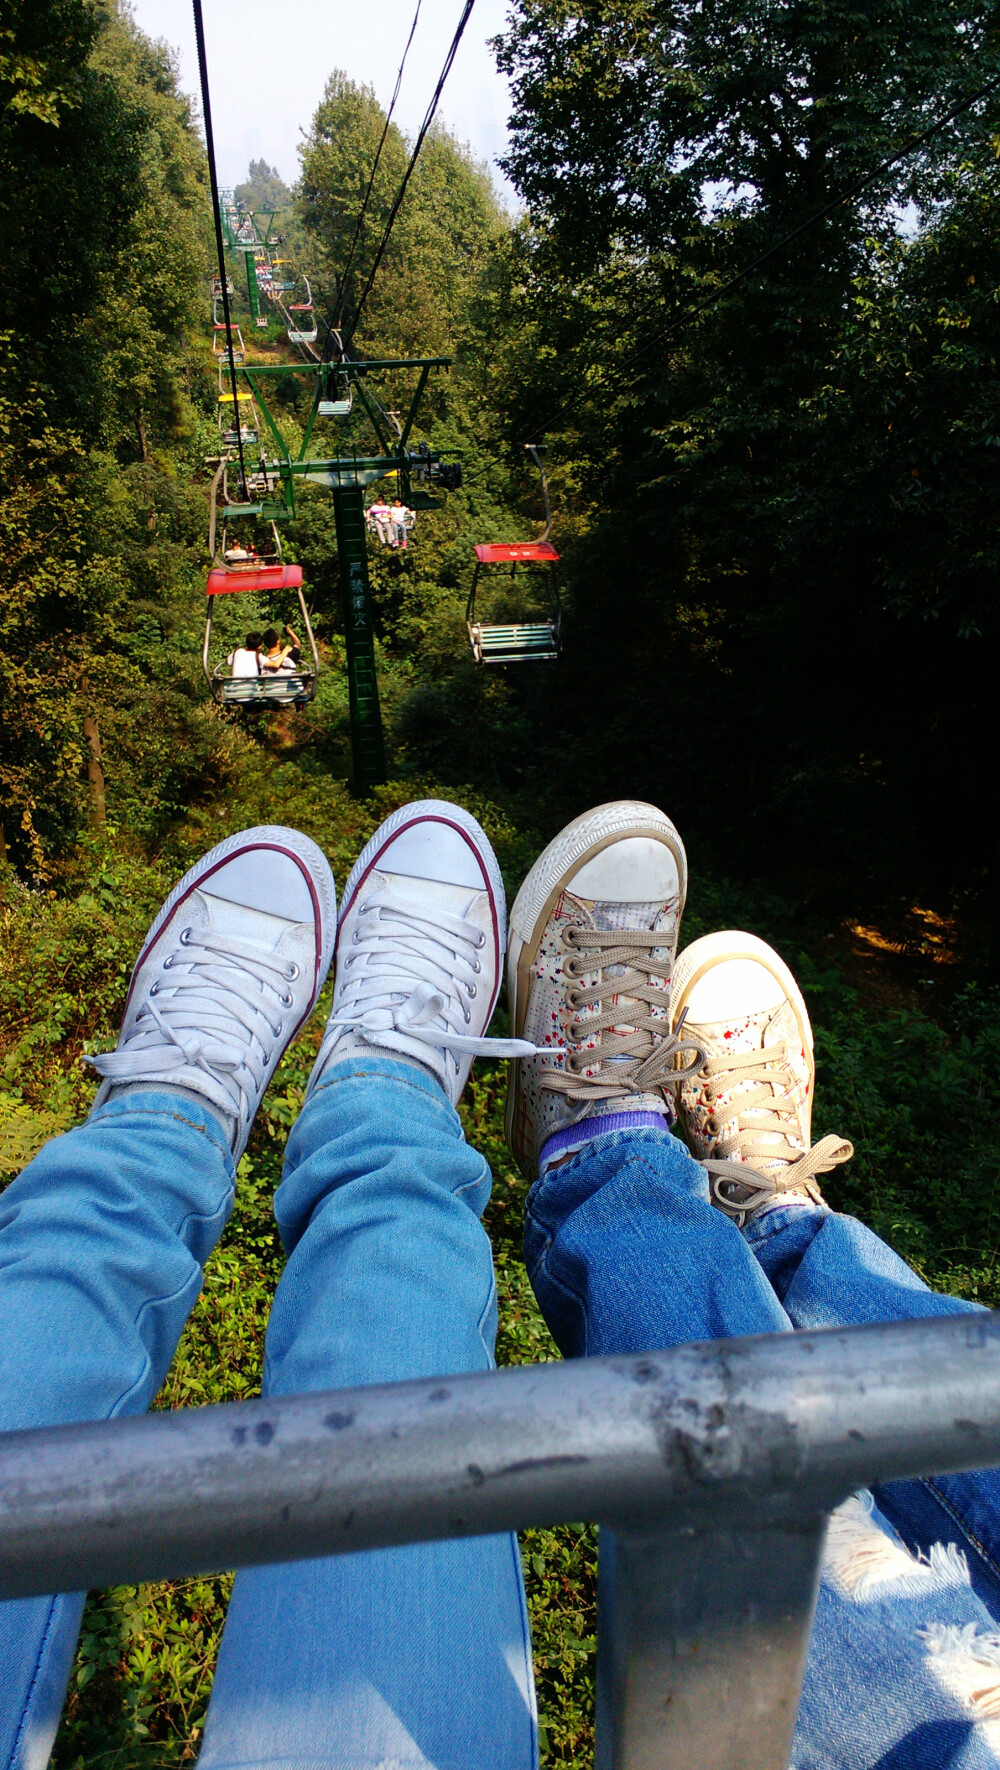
{"x":367,"y":745}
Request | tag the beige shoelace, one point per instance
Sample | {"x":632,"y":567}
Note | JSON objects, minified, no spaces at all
{"x":644,"y":1058}
{"x":737,"y":1187}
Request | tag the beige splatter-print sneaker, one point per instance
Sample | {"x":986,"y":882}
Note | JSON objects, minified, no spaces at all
{"x":593,"y":934}
{"x":747,"y":1112}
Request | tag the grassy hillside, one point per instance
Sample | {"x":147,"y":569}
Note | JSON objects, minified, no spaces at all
{"x":919,"y":1099}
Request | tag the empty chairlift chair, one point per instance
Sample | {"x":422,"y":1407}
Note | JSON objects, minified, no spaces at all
{"x":266,"y":693}
{"x":222,"y":336}
{"x":516,"y":642}
{"x":338,"y":397}
{"x":301,"y":316}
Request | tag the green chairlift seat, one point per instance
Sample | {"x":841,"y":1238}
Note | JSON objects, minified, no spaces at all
{"x":267,"y":692}
{"x":340,"y":405}
{"x":515,"y":642}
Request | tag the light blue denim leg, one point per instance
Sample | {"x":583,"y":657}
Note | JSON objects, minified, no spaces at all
{"x":102,"y":1241}
{"x":626,"y":1255}
{"x":405,"y":1657}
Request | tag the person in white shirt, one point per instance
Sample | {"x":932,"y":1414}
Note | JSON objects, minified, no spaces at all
{"x":244,"y":660}
{"x":401,"y":521}
{"x":274,"y":655}
{"x":378,"y":517}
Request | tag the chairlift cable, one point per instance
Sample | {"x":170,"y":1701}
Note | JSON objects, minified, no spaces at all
{"x":199,"y":31}
{"x":342,"y":278}
{"x":415,"y":155}
{"x":708,"y":301}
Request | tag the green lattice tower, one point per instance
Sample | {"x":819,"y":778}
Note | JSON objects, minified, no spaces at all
{"x":367,"y":745}
{"x":253,"y":295}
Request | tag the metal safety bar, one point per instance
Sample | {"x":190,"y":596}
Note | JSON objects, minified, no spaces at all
{"x":712,"y":1469}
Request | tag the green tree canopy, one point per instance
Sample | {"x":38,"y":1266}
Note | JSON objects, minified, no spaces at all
{"x":263,"y":188}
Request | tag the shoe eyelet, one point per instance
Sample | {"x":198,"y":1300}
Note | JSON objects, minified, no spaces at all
{"x":185,"y":936}
{"x":292,"y":972}
{"x":575,"y":1031}
{"x":168,"y":962}
{"x":571,"y":969}
{"x":481,"y":942}
{"x":569,"y":936}
{"x":476,"y":966}
{"x":267,"y":1057}
{"x":287,"y":1002}
{"x":572,"y":1000}
{"x":468,"y":1016}
{"x":473,"y":989}
{"x":155,"y":990}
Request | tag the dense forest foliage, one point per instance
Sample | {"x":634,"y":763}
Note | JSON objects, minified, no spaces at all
{"x":775,"y":494}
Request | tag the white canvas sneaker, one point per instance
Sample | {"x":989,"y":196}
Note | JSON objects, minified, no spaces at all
{"x":419,"y":951}
{"x":230,"y":972}
{"x":747,"y":1113}
{"x":592,"y":941}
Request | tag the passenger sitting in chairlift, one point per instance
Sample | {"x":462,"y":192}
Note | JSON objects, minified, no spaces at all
{"x":378,"y":519}
{"x":244,"y":660}
{"x":274,"y":655}
{"x":401,"y":521}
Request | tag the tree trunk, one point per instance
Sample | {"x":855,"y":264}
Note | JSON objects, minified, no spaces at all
{"x":95,"y":766}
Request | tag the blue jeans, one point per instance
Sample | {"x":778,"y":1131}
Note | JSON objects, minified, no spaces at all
{"x":410,"y":1657}
{"x":420,"y":1656}
{"x":627,"y":1255}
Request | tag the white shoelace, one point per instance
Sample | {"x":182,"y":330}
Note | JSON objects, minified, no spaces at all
{"x":414,"y":974}
{"x":221,"y":1014}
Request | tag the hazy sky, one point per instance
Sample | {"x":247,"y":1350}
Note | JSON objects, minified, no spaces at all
{"x":268,"y":64}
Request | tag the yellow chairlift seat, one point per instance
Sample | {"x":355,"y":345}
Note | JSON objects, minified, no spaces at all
{"x":238,"y":421}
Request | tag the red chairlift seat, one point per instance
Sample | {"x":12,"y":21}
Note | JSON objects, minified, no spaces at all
{"x":231,"y":580}
{"x":513,"y":552}
{"x":515,"y":642}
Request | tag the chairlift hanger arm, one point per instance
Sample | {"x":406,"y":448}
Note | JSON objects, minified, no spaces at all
{"x":250,"y":375}
{"x":352,"y":367}
{"x":414,"y":403}
{"x":374,"y":415}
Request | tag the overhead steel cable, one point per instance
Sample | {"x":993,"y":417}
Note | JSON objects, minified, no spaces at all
{"x":697,"y":308}
{"x":351,"y":250}
{"x":199,"y":31}
{"x":415,"y":155}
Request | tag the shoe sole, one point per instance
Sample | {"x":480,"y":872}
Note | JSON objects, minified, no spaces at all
{"x":702,"y":955}
{"x":580,"y":841}
{"x":312,"y":863}
{"x":439,"y":811}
